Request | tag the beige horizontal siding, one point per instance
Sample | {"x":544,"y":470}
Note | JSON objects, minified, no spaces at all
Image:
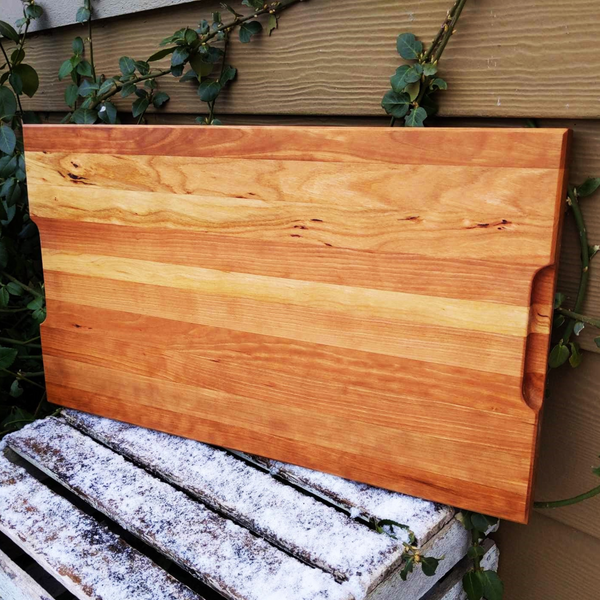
{"x":509,"y":58}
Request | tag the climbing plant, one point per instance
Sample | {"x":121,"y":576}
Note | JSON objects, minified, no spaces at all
{"x":22,"y":307}
{"x":197,"y":54}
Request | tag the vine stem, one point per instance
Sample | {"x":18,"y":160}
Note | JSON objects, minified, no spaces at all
{"x":23,"y":285}
{"x":89,"y":7}
{"x":577,"y":317}
{"x":450,"y":31}
{"x":21,"y":343}
{"x":569,"y":501}
{"x":21,"y":377}
{"x":573,"y":202}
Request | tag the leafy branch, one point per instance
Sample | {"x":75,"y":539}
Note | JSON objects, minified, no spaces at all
{"x":414,"y":85}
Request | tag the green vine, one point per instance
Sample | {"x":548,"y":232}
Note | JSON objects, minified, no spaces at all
{"x":89,"y":95}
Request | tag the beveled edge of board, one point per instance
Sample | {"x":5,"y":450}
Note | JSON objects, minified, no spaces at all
{"x":520,"y":148}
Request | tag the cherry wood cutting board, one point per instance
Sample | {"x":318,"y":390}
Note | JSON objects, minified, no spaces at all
{"x":371,"y":302}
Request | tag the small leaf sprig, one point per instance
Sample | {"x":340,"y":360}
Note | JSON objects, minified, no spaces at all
{"x":414,"y":85}
{"x":411,"y":554}
{"x":89,"y":95}
{"x":478,"y":582}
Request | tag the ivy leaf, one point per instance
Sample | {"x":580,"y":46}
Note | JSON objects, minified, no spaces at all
{"x":396,"y":104}
{"x":8,"y":139}
{"x":588,"y":187}
{"x":7,"y":357}
{"x":84,"y":68}
{"x":87,"y":87}
{"x":576,"y":356}
{"x":65,"y":69}
{"x":8,"y":31}
{"x":408,"y":46}
{"x":209,"y":90}
{"x":272,"y":24}
{"x":429,"y":565}
{"x":8,"y":102}
{"x":472,"y":585}
{"x":439,"y":83}
{"x":227,"y":75}
{"x":493,"y":588}
{"x":408,"y":568}
{"x":429,"y":69}
{"x":404,"y":75}
{"x":83,"y":15}
{"x":127,"y":65}
{"x":108,"y":113}
{"x":15,"y":389}
{"x":139,"y":106}
{"x":160,"y":98}
{"x":247,"y":30}
{"x":415,"y":117}
{"x":179,"y":57}
{"x":77,"y":45}
{"x":162,"y":53}
{"x":559,"y":355}
{"x":84,"y":116}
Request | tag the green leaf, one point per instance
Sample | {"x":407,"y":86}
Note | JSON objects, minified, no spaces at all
{"x":106,"y":86}
{"x":559,"y":298}
{"x":558,"y":356}
{"x":480,"y":522}
{"x":179,"y":57}
{"x":36,"y":303}
{"x":127,"y":65}
{"x":576,"y":356}
{"x":475,"y":551}
{"x":108,"y":113}
{"x":412,"y":89}
{"x":162,"y":53}
{"x":8,"y":102}
{"x":17,"y":56}
{"x":127,"y":90}
{"x":597,"y":341}
{"x":71,"y":93}
{"x":415,"y":117}
{"x":139,"y":106}
{"x":588,"y":187}
{"x":200,"y":67}
{"x":208,"y":90}
{"x":8,"y":165}
{"x":39,"y":315}
{"x":559,"y":321}
{"x":472,"y":585}
{"x":256,"y":4}
{"x":4,"y":297}
{"x":8,"y":31}
{"x":7,"y":357}
{"x":396,"y":104}
{"x":408,"y":46}
{"x":8,"y":139}
{"x":227,"y":75}
{"x":77,"y":45}
{"x":14,"y":289}
{"x":439,"y":83}
{"x":84,"y":116}
{"x":272,"y":24}
{"x":65,"y":69}
{"x":83,"y":15}
{"x":408,"y":568}
{"x":15,"y":389}
{"x":493,"y":588}
{"x":429,"y":105}
{"x":429,"y":69}
{"x":247,"y":30}
{"x":16,"y":83}
{"x":405,"y":75}
{"x":87,"y":87}
{"x":160,"y":98}
{"x":84,"y":68}
{"x":578,"y":327}
{"x":34,"y":11}
{"x":429,"y":565}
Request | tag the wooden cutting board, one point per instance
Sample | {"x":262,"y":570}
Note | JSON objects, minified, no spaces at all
{"x":371,"y":302}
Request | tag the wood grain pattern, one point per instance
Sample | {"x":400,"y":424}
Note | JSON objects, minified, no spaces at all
{"x":510,"y":58}
{"x":205,"y":304}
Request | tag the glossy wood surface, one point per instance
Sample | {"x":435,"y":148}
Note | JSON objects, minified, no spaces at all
{"x":375,"y":303}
